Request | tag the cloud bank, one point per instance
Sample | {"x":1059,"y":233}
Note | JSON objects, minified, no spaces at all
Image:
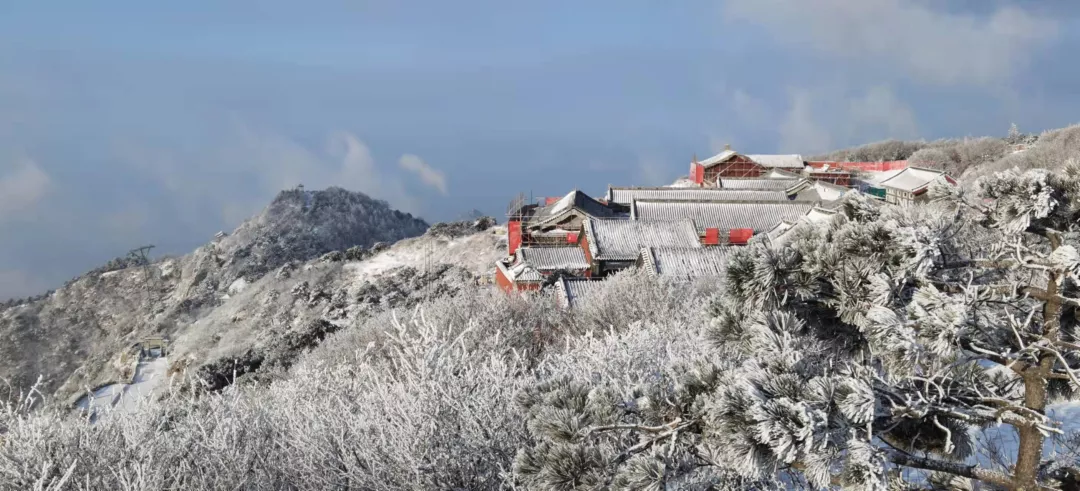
{"x":427,"y":174}
{"x":22,"y":185}
{"x":906,"y":37}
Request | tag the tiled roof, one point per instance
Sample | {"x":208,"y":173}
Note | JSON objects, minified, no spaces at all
{"x":781,"y":161}
{"x":683,"y":263}
{"x":781,"y":174}
{"x":754,"y":183}
{"x":718,"y":158}
{"x":622,"y":240}
{"x":573,"y":292}
{"x":724,"y":215}
{"x":520,"y":272}
{"x":626,"y":195}
{"x":783,"y":231}
{"x":553,"y":258}
{"x":912,"y":179}
{"x":573,"y":200}
{"x":809,"y":190}
{"x":875,"y":178}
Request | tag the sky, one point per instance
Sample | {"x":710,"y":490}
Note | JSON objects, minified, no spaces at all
{"x":129,"y":122}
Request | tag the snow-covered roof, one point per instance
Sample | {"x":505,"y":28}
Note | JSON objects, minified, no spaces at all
{"x":573,"y":292}
{"x":809,"y":190}
{"x":622,"y":240}
{"x":875,"y":178}
{"x":780,"y":161}
{"x":755,"y":183}
{"x":685,"y":263}
{"x":683,"y":183}
{"x":573,"y":200}
{"x":553,"y":258}
{"x":780,"y":174}
{"x":912,"y":179}
{"x":724,"y":215}
{"x":627,"y":195}
{"x":519,"y":272}
{"x":718,"y":158}
{"x":782,"y":231}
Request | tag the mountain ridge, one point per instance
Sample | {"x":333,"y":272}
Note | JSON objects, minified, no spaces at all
{"x":71,"y":336}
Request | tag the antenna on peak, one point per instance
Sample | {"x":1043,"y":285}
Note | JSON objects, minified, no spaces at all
{"x":727,"y":146}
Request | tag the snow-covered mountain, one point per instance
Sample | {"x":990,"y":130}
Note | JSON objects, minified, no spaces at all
{"x":312,"y":260}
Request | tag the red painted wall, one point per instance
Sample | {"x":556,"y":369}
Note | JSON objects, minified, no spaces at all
{"x":738,"y":166}
{"x":712,"y":236}
{"x":740,"y":236}
{"x":504,"y":283}
{"x":862,"y":166}
{"x":571,"y":238}
{"x":513,"y":232}
{"x":697,"y":173}
{"x":583,"y":241}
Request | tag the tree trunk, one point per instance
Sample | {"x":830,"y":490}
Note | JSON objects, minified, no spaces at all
{"x":1029,"y":453}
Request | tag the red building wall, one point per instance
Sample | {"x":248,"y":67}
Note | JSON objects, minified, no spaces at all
{"x":737,"y":166}
{"x":513,"y":239}
{"x":697,"y":173}
{"x":740,"y":236}
{"x":862,"y":166}
{"x":502,"y":281}
{"x":712,"y":236}
{"x":508,"y":286}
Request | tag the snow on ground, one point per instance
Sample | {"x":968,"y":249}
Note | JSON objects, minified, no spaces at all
{"x":149,"y":377}
{"x":477,"y":252}
{"x":237,"y":286}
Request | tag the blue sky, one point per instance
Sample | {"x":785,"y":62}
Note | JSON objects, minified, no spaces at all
{"x":125,"y":123}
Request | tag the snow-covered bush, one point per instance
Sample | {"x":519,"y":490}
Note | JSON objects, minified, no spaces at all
{"x":884,"y":340}
{"x":875,"y":152}
{"x":956,"y":156}
{"x":421,"y":398}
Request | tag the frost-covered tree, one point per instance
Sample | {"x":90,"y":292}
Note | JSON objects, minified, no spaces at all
{"x":861,"y":351}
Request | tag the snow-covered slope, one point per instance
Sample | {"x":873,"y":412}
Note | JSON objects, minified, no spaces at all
{"x":73,"y":337}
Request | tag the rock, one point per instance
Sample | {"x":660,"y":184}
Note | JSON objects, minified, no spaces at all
{"x":462,"y":228}
{"x":356,"y":253}
{"x":301,"y":290}
{"x":332,"y":257}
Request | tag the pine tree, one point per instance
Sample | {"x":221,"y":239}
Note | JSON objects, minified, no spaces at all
{"x":880,"y":342}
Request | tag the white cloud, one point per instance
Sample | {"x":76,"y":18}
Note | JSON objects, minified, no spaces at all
{"x":22,"y":186}
{"x":652,"y":171}
{"x":357,"y":171}
{"x":238,"y":175}
{"x":880,"y":111}
{"x":803,"y":131}
{"x":907,"y":37}
{"x":427,"y":174}
{"x":822,"y":118}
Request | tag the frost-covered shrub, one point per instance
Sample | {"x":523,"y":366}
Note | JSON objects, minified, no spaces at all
{"x":1049,"y":151}
{"x":887,"y":150}
{"x":886,"y":339}
{"x":956,"y":156}
{"x":422,"y":398}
